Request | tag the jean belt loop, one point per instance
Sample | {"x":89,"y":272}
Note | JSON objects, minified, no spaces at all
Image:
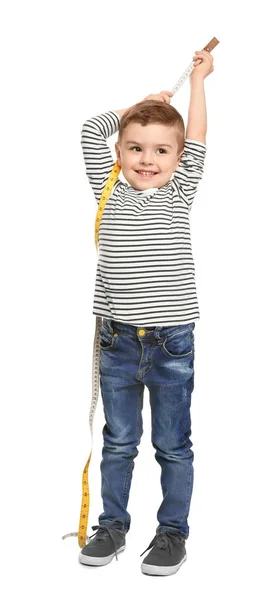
{"x":157,"y":334}
{"x":110,"y":326}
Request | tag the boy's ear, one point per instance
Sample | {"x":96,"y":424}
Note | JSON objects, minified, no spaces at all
{"x":118,"y":153}
{"x":179,"y":158}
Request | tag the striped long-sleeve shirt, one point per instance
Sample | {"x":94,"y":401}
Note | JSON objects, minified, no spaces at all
{"x":145,"y":272}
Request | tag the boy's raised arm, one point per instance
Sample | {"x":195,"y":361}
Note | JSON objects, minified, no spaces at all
{"x":197,"y":112}
{"x":97,"y":154}
{"x":191,"y":167}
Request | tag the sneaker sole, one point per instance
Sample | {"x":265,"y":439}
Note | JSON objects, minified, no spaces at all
{"x":159,"y":570}
{"x":97,"y":561}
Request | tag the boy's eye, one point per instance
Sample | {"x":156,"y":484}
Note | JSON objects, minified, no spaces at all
{"x":161,"y":150}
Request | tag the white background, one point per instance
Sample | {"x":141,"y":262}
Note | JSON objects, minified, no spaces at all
{"x":63,"y":62}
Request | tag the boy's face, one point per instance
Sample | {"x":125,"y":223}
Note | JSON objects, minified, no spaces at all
{"x":148,"y":155}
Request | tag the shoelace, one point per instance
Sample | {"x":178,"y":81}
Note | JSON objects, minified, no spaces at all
{"x":102,"y":533}
{"x":163,"y":541}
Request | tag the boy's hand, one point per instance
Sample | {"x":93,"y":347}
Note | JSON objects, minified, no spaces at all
{"x":163,"y":96}
{"x":203,"y":64}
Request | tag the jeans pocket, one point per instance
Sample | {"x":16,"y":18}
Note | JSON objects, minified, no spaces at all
{"x":179,"y":345}
{"x":106,"y":339}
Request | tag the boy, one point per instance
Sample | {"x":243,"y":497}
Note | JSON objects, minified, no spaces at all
{"x":145,"y":291}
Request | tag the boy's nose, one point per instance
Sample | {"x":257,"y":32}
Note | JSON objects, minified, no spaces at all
{"x":146,"y":160}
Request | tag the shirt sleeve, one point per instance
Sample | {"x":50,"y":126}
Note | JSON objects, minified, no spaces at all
{"x":97,"y":154}
{"x":190,"y":169}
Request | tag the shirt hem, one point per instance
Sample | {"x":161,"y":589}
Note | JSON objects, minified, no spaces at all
{"x":190,"y":320}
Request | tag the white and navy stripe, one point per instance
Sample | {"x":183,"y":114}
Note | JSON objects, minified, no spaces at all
{"x":145,"y":272}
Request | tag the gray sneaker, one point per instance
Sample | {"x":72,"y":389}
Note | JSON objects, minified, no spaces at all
{"x":107,"y":542}
{"x":167,"y":555}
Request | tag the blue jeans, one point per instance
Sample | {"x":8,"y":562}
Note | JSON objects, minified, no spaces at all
{"x":162,"y":358}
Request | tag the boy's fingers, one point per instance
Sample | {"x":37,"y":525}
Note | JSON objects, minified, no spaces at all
{"x":164,"y":92}
{"x":166,"y":96}
{"x":205,"y":53}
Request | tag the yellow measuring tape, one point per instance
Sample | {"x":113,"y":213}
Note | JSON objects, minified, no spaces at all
{"x":85,"y":504}
{"x":104,"y":197}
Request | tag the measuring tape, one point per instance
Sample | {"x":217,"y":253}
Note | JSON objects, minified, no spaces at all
{"x":85,"y":505}
{"x":104,"y":197}
{"x":209,"y":47}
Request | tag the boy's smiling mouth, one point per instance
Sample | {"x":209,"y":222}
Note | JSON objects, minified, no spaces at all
{"x":143,"y":173}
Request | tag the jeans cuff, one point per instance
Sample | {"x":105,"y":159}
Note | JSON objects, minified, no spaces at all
{"x":163,"y":528}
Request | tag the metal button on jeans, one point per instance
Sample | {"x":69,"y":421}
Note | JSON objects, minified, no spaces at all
{"x":141,"y":332}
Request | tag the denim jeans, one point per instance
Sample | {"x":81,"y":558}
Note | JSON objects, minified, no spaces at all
{"x":162,"y":358}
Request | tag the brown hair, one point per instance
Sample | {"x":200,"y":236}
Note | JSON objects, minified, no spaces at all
{"x":154,"y":111}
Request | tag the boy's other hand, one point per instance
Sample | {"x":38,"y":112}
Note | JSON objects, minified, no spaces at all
{"x":203,"y":65}
{"x":163,"y":97}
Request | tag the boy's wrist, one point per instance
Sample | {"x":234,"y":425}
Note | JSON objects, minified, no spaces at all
{"x":121,"y":112}
{"x":196,"y":79}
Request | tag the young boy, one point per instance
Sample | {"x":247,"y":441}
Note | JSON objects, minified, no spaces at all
{"x":145,"y":291}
